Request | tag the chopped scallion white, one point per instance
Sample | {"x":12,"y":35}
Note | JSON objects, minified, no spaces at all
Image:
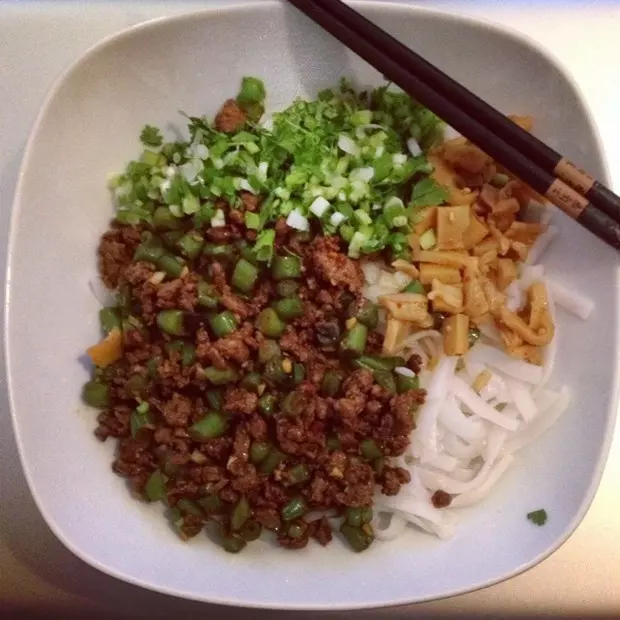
{"x":319,"y":206}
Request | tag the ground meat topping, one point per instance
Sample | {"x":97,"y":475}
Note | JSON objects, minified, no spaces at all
{"x":230,"y":118}
{"x":278,"y":438}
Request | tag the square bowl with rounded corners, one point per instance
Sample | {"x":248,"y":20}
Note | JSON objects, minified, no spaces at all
{"x":88,"y":128}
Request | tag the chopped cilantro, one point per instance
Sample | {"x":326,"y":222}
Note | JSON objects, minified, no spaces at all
{"x":428,"y":192}
{"x":538,"y":517}
{"x":151,"y":136}
{"x":347,"y":147}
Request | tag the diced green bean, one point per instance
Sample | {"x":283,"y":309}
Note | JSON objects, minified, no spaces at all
{"x":219,"y":251}
{"x":251,"y":530}
{"x":124,"y":299}
{"x":360,"y":538}
{"x":246,"y":252}
{"x":287,"y":288}
{"x":259,"y":451}
{"x":286,"y":267}
{"x":233,"y":544}
{"x":240,"y":514}
{"x":188,"y":507}
{"x":188,"y":354}
{"x":370,"y":450}
{"x":414,"y":287}
{"x":333,"y":443}
{"x":210,"y":504}
{"x":219,"y":376}
{"x":132,"y":323}
{"x":152,"y":365}
{"x":358,"y":516}
{"x":149,"y":254}
{"x":269,"y":323}
{"x":223,"y":323}
{"x":163,"y":219}
{"x":354,"y":341}
{"x":96,"y":394}
{"x":171,"y":265}
{"x":268,"y":350}
{"x":404,"y":384}
{"x":251,"y":382}
{"x":155,"y":487}
{"x":171,"y":322}
{"x":214,"y":424}
{"x":293,"y":404}
{"x":136,"y":384}
{"x":271,"y":461}
{"x":244,"y":276}
{"x":140,"y":418}
{"x":171,"y":469}
{"x":208,"y":296}
{"x":385,"y":379}
{"x":150,"y":239}
{"x":171,"y":238}
{"x":295,"y":508}
{"x":374,"y":363}
{"x":289,"y":309}
{"x":366,"y":313}
{"x":378,"y":465}
{"x":330,"y":385}
{"x":296,"y":530}
{"x":215,"y":399}
{"x":190,"y":244}
{"x":299,"y":373}
{"x":266,"y":404}
{"x":109,"y":319}
{"x":298,"y":474}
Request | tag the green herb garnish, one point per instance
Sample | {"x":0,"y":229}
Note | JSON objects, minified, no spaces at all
{"x":151,"y":136}
{"x":538,"y":517}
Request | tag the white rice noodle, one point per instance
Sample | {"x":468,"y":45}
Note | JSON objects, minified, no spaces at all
{"x":570,"y":299}
{"x":463,"y":474}
{"x":420,"y":512}
{"x":479,"y":407}
{"x":424,"y":334}
{"x":522,"y":398}
{"x":489,"y":330}
{"x":529,"y":275}
{"x":101,"y":293}
{"x":541,"y":244}
{"x":501,"y":361}
{"x":495,"y":390}
{"x":514,"y":296}
{"x":441,"y":461}
{"x":424,"y":440}
{"x":388,"y":525}
{"x":454,"y":420}
{"x":546,"y":418}
{"x":460,"y":449}
{"x":478,"y":494}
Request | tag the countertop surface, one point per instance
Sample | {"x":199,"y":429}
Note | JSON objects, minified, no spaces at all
{"x":37,"y":41}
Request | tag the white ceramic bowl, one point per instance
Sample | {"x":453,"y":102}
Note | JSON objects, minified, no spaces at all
{"x":88,"y":128}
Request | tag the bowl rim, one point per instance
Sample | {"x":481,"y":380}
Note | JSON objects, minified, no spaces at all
{"x":391,"y":6}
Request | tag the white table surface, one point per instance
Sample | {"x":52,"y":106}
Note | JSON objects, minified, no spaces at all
{"x":38,"y":40}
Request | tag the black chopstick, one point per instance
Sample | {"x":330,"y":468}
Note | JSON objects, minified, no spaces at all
{"x":533,"y":148}
{"x":391,"y":65}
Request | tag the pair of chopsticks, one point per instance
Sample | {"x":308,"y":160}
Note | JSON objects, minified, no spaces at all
{"x":575,"y":192}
